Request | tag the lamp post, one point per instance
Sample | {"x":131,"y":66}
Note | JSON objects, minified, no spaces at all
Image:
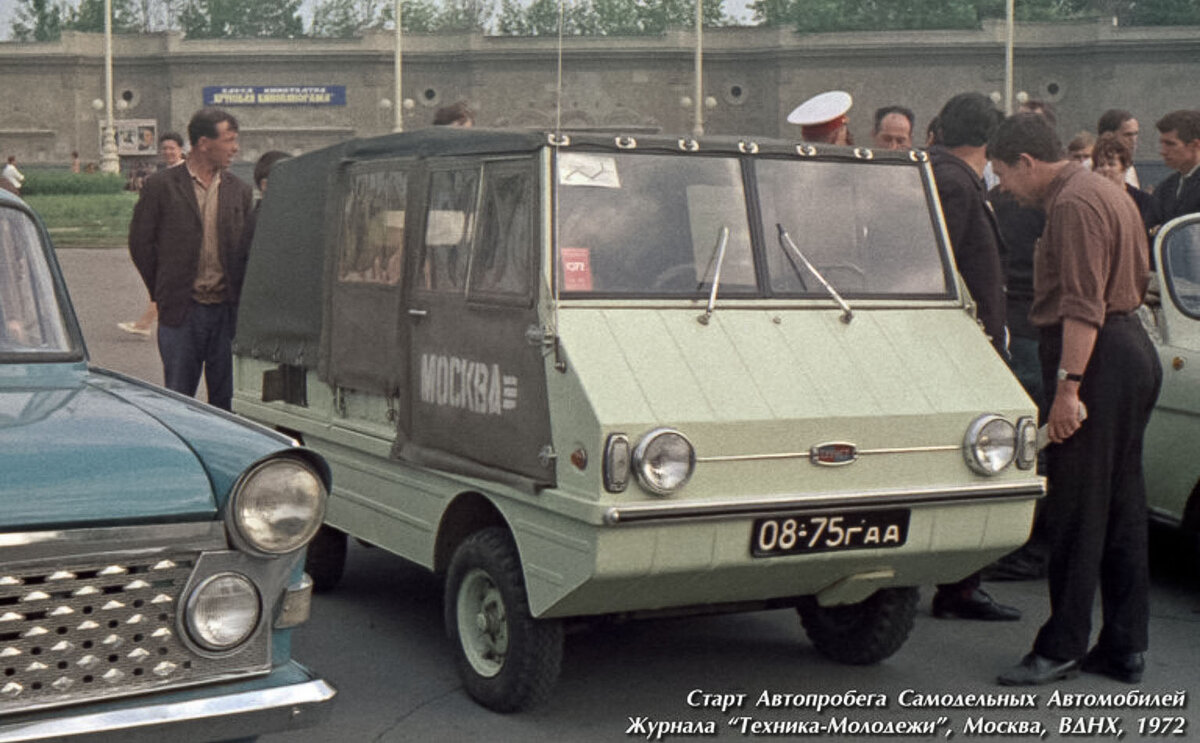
{"x":398,"y":109}
{"x":109,"y":162}
{"x":1008,"y":58}
{"x":698,"y":99}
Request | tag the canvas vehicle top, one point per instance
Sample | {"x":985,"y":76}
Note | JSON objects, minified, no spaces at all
{"x":652,"y":373}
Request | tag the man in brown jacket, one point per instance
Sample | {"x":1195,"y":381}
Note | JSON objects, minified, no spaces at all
{"x":186,"y":242}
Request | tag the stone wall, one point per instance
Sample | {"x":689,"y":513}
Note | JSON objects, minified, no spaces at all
{"x":753,"y":77}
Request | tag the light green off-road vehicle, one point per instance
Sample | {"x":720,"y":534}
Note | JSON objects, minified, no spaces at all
{"x":584,"y":376}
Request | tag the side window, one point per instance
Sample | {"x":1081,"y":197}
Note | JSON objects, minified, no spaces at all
{"x":449,"y":228}
{"x":501,"y":266}
{"x":1181,"y":256}
{"x":372,"y":244}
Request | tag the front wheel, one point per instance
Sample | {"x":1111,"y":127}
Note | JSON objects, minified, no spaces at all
{"x":326,"y":559}
{"x":507,"y":660}
{"x":864,"y":633}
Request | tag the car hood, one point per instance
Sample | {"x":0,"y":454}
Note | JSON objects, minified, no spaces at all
{"x":74,"y":453}
{"x":767,"y":386}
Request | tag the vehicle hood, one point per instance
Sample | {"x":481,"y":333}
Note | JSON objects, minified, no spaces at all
{"x":83,"y":447}
{"x":754,"y":382}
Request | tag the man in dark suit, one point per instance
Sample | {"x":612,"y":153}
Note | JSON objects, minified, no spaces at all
{"x":1179,"y":146}
{"x":186,"y":242}
{"x":964,"y":125}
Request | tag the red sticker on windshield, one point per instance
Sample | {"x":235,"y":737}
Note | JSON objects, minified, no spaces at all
{"x":577,"y":269}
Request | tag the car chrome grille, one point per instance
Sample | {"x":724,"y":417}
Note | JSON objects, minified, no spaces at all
{"x":91,"y":630}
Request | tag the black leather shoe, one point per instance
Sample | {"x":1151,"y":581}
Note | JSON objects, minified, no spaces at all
{"x":1034,"y":670}
{"x":1124,"y":667}
{"x":975,"y":605}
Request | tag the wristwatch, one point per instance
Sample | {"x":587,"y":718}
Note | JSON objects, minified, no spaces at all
{"x":1066,"y":376}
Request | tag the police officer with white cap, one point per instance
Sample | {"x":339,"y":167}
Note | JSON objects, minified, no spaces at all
{"x":823,"y":118}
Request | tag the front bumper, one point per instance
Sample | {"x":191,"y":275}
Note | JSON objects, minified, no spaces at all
{"x":668,"y":556}
{"x":289,"y":698}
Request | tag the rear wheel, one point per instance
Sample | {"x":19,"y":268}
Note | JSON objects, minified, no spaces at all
{"x":326,"y":559}
{"x":864,"y":633}
{"x":508,"y":661}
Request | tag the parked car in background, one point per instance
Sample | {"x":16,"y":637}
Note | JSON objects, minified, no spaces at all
{"x":588,"y":375}
{"x":151,"y":547}
{"x":1172,"y":316}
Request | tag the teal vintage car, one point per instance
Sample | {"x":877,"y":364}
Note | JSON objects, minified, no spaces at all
{"x":151,"y":547}
{"x":1172,"y":315}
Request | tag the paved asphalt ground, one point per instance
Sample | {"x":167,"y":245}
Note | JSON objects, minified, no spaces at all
{"x":379,"y":636}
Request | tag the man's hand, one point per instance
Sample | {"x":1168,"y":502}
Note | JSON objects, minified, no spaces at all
{"x":1066,"y":414}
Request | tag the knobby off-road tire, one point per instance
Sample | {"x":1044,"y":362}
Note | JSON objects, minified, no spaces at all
{"x":864,"y":633}
{"x":507,"y":660}
{"x":326,"y":560}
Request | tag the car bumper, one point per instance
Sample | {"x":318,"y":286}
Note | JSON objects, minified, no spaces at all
{"x":288,"y":699}
{"x":656,"y":559}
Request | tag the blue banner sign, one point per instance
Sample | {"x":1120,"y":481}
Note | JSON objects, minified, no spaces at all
{"x":275,"y":95}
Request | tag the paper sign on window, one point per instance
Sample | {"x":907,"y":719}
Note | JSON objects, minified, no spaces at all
{"x":580,"y":169}
{"x":577,"y":269}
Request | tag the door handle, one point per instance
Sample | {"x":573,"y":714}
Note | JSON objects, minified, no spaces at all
{"x":417,"y":313}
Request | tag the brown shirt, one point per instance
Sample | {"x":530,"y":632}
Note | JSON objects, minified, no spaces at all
{"x":1092,"y":259}
{"x":209,"y":287}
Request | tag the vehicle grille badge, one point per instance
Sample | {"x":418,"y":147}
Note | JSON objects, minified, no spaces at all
{"x":833,"y":454}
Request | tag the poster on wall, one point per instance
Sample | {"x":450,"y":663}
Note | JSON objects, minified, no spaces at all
{"x":134,"y":136}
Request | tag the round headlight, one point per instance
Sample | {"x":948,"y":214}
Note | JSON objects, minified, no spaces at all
{"x":663,"y":461}
{"x":278,"y":506}
{"x":990,"y":444}
{"x":223,"y":611}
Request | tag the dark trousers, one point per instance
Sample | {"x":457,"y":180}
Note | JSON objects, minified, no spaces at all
{"x":204,"y":342}
{"x":1095,"y":507}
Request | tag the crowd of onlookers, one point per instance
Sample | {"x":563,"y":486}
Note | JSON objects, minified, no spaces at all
{"x":1053,"y":244}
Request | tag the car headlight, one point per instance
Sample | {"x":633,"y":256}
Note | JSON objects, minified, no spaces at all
{"x":1026,"y":443}
{"x":664,"y":460}
{"x":278,"y":506}
{"x":223,"y":611}
{"x":990,"y":444}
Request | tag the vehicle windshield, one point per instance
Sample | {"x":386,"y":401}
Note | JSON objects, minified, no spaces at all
{"x":635,"y":225}
{"x":31,"y":321}
{"x":651,"y":225}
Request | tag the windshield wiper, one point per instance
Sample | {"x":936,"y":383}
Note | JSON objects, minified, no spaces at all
{"x":722,"y":242}
{"x":786,"y":240}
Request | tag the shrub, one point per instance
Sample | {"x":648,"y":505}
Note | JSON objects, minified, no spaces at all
{"x":64,"y":184}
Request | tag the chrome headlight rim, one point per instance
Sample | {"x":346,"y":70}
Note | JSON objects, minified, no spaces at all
{"x":247,"y":536}
{"x":640,"y":463}
{"x":202,"y":638}
{"x":974,"y":439}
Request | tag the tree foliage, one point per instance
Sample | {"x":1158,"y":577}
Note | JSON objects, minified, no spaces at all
{"x":1159,"y":12}
{"x":89,"y":16}
{"x":887,"y":15}
{"x":603,"y":17}
{"x":219,"y":19}
{"x":37,"y":20}
{"x":347,"y":18}
{"x":45,"y":20}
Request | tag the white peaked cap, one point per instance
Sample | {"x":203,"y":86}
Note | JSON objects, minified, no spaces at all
{"x":821,"y":108}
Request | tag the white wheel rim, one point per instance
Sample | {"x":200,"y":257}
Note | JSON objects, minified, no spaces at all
{"x":482,"y":623}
